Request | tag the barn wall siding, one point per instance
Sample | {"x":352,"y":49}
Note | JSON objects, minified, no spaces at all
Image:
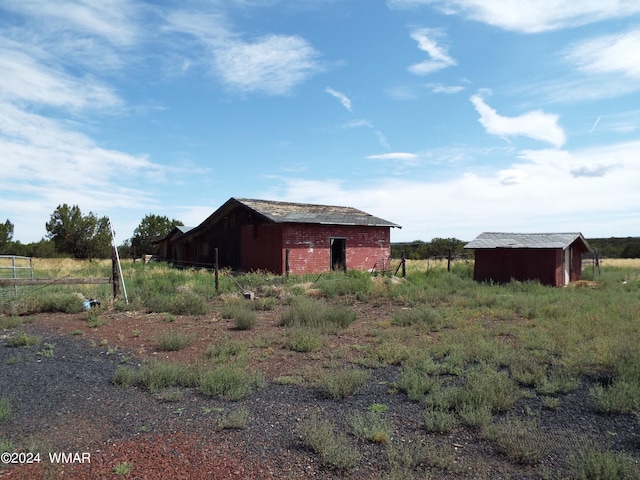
{"x":309,"y":246}
{"x":503,"y":265}
{"x":262,"y":248}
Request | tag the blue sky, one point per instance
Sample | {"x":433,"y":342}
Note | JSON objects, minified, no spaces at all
{"x":448,"y":117}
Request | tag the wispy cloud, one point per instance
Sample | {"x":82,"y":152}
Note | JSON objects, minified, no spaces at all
{"x":536,"y":124}
{"x":27,"y":79}
{"x":529,"y":16}
{"x":608,"y":55}
{"x":428,"y":41}
{"x":111,"y":20}
{"x":272,"y":64}
{"x":344,"y":100}
{"x":401,"y":156}
{"x":446,"y":89}
{"x":536,"y":186}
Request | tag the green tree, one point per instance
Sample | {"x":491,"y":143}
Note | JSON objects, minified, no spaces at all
{"x":631,"y":250}
{"x":81,"y":236}
{"x":446,"y":247}
{"x":151,"y":228}
{"x":6,"y":235}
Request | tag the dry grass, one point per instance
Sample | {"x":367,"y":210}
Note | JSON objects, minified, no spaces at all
{"x":621,"y":262}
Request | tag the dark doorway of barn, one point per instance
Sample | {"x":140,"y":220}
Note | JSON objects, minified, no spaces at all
{"x":338,"y":254}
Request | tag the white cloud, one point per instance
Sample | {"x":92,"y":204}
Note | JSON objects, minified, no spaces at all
{"x":536,"y":124}
{"x":26,"y":79}
{"x":111,"y":20}
{"x":446,"y":89}
{"x":344,"y":100}
{"x":538,"y":192}
{"x":402,"y":156}
{"x":274,"y":65}
{"x":609,"y":54}
{"x":428,"y":42}
{"x":511,"y":176}
{"x":529,"y":16}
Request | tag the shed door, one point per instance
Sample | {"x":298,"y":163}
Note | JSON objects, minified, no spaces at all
{"x":567,"y":265}
{"x":338,"y":254}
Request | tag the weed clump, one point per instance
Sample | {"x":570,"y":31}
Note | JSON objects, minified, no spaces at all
{"x":173,"y":341}
{"x":312,"y":313}
{"x":334,"y":448}
{"x":344,"y":383}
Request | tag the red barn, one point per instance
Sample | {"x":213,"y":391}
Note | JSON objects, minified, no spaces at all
{"x":261,"y":235}
{"x":552,"y":258}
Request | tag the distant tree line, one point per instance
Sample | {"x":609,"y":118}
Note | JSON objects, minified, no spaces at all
{"x":70,"y":233}
{"x":628,"y":247}
{"x":437,"y":247}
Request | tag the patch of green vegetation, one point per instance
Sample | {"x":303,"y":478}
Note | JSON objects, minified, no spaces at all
{"x":123,"y":468}
{"x":156,"y":375}
{"x":125,"y":376}
{"x":5,"y":409}
{"x":228,"y":351}
{"x":519,"y":440}
{"x":171,"y":394}
{"x":22,"y":339}
{"x":9,"y":322}
{"x":47,"y":350}
{"x":334,"y":447}
{"x":372,"y":427}
{"x":601,"y":464}
{"x":304,"y":340}
{"x":344,"y":383}
{"x":228,"y":382}
{"x":237,"y":419}
{"x":308,"y":312}
{"x":173,"y":340}
{"x":423,"y":315}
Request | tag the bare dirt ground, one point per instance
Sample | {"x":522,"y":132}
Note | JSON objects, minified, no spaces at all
{"x":67,"y":402}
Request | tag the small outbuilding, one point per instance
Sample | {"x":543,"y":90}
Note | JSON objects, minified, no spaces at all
{"x":280,"y":237}
{"x":552,"y":258}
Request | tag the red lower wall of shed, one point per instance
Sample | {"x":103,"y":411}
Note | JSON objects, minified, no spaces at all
{"x":503,"y":265}
{"x":264,"y":247}
{"x":310,"y":247}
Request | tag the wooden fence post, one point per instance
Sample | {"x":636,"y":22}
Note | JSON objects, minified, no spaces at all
{"x":404,"y":265}
{"x":215,"y":269}
{"x":115,"y":274}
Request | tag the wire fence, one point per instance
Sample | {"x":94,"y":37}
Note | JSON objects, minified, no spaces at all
{"x":15,"y":267}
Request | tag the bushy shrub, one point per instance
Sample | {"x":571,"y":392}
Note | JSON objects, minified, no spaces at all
{"x":373,"y":427}
{"x":313,"y":313}
{"x":172,"y":340}
{"x":345,"y":383}
{"x":302,"y":340}
{"x":420,"y":315}
{"x":241,"y":312}
{"x":228,"y":351}
{"x":22,"y":339}
{"x":334,"y":448}
{"x":182,"y":303}
{"x":155,"y":375}
{"x":352,"y":283}
{"x":228,"y":382}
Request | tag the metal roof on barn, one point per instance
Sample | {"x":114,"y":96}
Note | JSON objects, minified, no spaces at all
{"x":289,"y":212}
{"x":526,"y":240}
